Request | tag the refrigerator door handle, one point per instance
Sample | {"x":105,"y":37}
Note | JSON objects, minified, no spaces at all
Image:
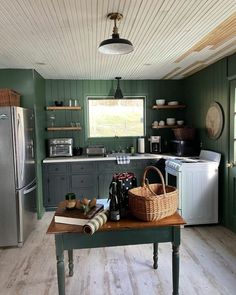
{"x":26,"y":191}
{"x":3,"y":117}
{"x":21,"y":154}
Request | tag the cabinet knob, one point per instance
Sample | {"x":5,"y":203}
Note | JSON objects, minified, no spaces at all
{"x":230,"y":165}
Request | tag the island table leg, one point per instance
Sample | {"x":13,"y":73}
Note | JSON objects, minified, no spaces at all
{"x":71,"y":264}
{"x":175,"y":268}
{"x":155,"y":255}
{"x":60,"y":265}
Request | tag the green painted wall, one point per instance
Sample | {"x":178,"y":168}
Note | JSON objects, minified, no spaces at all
{"x":40,"y":125}
{"x":211,"y":84}
{"x":31,"y":87}
{"x":80,"y":89}
{"x":22,"y":82}
{"x":231,"y":64}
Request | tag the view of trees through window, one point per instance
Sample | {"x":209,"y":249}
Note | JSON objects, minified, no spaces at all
{"x":115,"y":117}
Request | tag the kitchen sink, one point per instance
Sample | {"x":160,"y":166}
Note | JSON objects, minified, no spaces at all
{"x":120,"y":155}
{"x":126,"y":154}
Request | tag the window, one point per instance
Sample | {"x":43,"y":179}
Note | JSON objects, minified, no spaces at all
{"x":109,"y":117}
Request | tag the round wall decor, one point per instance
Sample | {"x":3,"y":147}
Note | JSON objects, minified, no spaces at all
{"x":214,"y":120}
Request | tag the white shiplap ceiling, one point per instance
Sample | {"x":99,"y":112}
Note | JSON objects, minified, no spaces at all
{"x":59,"y":38}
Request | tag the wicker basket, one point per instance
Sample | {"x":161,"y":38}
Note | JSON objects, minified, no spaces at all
{"x":185,"y":133}
{"x":153,"y":201}
{"x":9,"y":97}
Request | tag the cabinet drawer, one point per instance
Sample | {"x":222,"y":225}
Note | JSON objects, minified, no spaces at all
{"x":113,"y":167}
{"x":83,"y":168}
{"x":89,"y":193}
{"x":56,"y":168}
{"x":87,"y":180}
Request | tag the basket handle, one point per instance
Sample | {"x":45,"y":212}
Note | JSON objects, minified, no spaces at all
{"x":145,"y":180}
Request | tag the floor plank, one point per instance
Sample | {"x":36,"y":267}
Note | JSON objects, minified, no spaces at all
{"x":208,"y":266}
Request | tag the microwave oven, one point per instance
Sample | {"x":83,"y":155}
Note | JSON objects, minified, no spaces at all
{"x":60,"y":147}
{"x":184,"y":148}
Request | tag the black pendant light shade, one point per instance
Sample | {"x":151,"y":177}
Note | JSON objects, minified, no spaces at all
{"x":115,"y":45}
{"x":118,"y":93}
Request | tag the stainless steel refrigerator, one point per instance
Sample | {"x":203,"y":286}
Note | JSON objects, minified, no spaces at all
{"x":17,"y":175}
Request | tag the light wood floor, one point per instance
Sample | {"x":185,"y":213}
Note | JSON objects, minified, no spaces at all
{"x":208,"y":266}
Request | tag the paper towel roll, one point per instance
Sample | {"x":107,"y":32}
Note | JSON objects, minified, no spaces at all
{"x":141,"y":145}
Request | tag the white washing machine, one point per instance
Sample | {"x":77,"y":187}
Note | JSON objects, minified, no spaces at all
{"x":197,"y":181}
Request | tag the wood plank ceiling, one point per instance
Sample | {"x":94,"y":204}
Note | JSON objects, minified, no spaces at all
{"x":60,"y":38}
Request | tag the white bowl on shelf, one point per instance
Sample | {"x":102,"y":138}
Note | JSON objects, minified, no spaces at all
{"x":160,"y":102}
{"x":173,"y":103}
{"x":155,"y":124}
{"x":170,"y":121}
{"x":180,"y":122}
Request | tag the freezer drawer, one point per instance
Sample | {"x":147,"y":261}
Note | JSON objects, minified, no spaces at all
{"x":27,"y":211}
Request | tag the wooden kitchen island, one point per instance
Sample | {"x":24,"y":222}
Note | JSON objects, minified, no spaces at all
{"x":128,"y":231}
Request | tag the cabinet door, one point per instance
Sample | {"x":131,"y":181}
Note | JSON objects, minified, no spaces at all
{"x":83,"y":168}
{"x":84,"y":185}
{"x":104,"y":181}
{"x":139,"y":167}
{"x":56,"y":189}
{"x":56,"y":168}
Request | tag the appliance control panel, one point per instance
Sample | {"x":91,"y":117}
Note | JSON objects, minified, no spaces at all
{"x":54,"y":141}
{"x":173,"y":164}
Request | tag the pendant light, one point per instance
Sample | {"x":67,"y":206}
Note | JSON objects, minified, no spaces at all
{"x":118,"y":93}
{"x":115,"y":45}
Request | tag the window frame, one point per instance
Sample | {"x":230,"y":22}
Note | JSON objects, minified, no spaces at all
{"x":102,"y":97}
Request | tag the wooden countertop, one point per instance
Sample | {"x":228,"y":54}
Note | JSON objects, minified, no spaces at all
{"x":123,"y":224}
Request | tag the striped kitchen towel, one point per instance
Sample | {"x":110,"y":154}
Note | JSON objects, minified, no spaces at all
{"x":96,"y":222}
{"x":122,"y":159}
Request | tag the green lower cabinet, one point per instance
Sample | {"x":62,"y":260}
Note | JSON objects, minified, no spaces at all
{"x":55,"y":185}
{"x":85,"y":179}
{"x":104,"y":181}
{"x":85,"y":185}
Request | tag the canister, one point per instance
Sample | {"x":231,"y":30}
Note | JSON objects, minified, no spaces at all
{"x":141,"y":145}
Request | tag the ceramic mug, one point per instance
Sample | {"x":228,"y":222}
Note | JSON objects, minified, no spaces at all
{"x":161,"y":123}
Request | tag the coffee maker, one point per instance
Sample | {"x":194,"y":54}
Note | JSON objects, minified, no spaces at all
{"x":155,"y":144}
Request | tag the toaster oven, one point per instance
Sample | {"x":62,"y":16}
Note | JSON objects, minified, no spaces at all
{"x":60,"y":147}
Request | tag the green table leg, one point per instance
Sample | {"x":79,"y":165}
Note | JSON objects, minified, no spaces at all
{"x":155,"y":255}
{"x":61,"y":274}
{"x":60,"y":265}
{"x":71,"y":264}
{"x":175,"y":268}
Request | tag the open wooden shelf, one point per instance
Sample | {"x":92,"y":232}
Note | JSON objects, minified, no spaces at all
{"x":64,"y":128}
{"x":167,"y":126}
{"x":54,"y":108}
{"x":161,"y":107}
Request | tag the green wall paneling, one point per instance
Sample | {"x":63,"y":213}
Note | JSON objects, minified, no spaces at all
{"x":31,"y":87}
{"x":39,"y":106}
{"x":20,"y":81}
{"x":80,"y":89}
{"x":231,"y":67}
{"x":201,"y":89}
